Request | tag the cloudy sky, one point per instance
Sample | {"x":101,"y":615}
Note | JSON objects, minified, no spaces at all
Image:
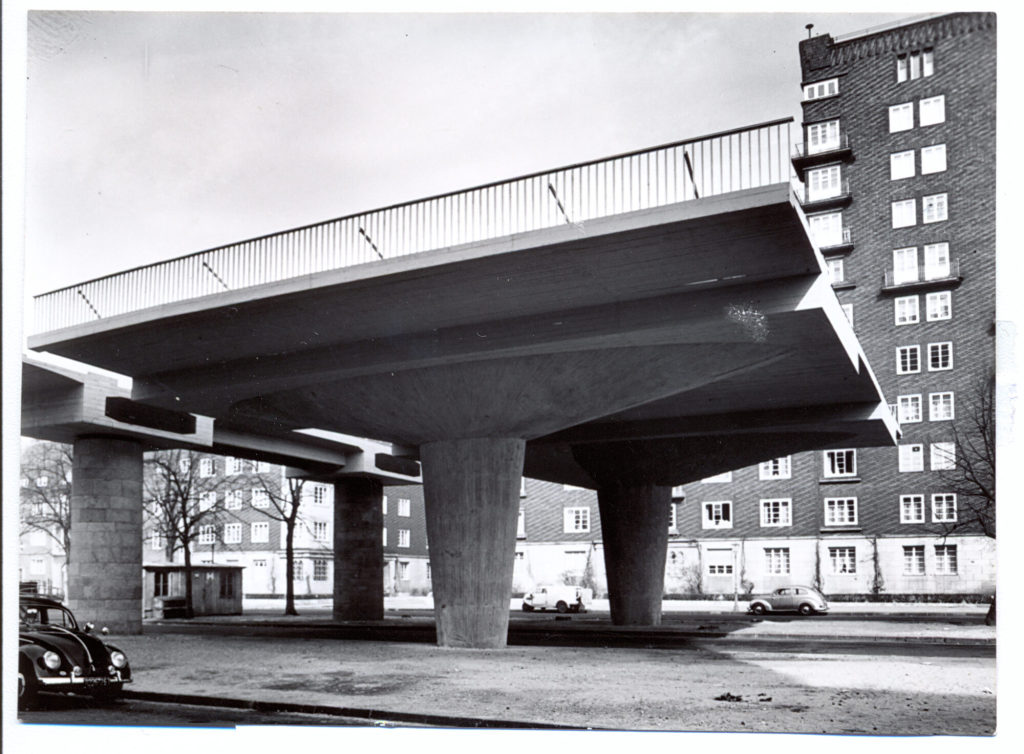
{"x":153,"y":135}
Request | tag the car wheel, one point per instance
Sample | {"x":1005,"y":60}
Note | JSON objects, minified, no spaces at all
{"x":806,"y":609}
{"x":527,"y":608}
{"x":757,"y":609}
{"x":28,"y":689}
{"x":562,"y":607}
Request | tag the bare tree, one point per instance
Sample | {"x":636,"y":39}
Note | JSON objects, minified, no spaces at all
{"x":45,"y":500}
{"x":972,"y":476}
{"x":284,"y":503}
{"x":179,"y":501}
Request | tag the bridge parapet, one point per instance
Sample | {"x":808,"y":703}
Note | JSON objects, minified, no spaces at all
{"x":719,"y":163}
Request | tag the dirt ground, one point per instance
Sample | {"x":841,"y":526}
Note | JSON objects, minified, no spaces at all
{"x":708,"y":688}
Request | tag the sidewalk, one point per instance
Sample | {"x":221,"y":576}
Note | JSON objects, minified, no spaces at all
{"x":624,"y":688}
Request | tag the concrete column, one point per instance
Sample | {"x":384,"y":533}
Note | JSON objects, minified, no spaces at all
{"x":358,"y":550}
{"x":471,"y":492}
{"x":105,"y":566}
{"x":634,"y":524}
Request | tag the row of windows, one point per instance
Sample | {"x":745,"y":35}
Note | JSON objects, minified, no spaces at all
{"x":838,"y":511}
{"x":915,"y":65}
{"x":938,"y":306}
{"x":931,"y":111}
{"x":942,"y":456}
{"x":940,"y":407}
{"x":907,"y":267}
{"x":232,"y":466}
{"x":404,"y":506}
{"x":904,"y":164}
{"x":843,"y":560}
{"x":934,"y":209}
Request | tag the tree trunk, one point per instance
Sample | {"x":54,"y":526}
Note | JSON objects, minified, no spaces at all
{"x":188,"y":582}
{"x":289,"y":557}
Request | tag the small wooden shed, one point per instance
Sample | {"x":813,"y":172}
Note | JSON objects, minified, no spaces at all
{"x":216,"y":590}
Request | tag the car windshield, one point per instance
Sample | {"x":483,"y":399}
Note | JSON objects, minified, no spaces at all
{"x":44,"y":615}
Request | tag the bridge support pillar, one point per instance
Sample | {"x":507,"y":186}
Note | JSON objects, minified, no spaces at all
{"x":471,"y":492}
{"x":634,"y":524}
{"x":105,"y":562}
{"x":358,"y":550}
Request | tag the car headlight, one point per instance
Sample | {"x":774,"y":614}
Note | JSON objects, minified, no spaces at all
{"x":51,"y":660}
{"x":118,"y":660}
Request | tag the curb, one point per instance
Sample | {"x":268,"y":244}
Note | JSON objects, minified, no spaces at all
{"x":370,"y":715}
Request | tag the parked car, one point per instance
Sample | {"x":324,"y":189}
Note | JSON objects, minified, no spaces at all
{"x":54,"y":654}
{"x":564,"y":599}
{"x":801,"y":599}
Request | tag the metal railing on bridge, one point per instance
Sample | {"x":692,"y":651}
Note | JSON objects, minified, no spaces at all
{"x":681,"y":171}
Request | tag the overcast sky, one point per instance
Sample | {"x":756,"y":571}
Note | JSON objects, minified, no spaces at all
{"x":153,"y":135}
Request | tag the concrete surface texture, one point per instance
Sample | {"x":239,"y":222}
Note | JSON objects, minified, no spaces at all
{"x":721,"y":686}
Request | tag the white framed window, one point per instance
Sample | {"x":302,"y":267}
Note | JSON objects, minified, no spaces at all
{"x":839,"y":463}
{"x":320,"y":531}
{"x":777,"y":468}
{"x":404,"y":536}
{"x":928,"y":62}
{"x":823,"y":183}
{"x":901,"y":117}
{"x":901,"y":165}
{"x":936,"y":261}
{"x":913,"y":560}
{"x":932,"y":110}
{"x":522,"y":487}
{"x":576,"y":519}
{"x":206,"y":467}
{"x":943,"y":507}
{"x":943,"y":456}
{"x":933,"y":159}
{"x":908,"y":409}
{"x":840,"y":511}
{"x":184,"y":465}
{"x":836,"y":272}
{"x":207,"y":534}
{"x":259,"y":531}
{"x":826,"y":229}
{"x":261,"y":467}
{"x":42,"y":482}
{"x":404,"y":507}
{"x":914,"y":65}
{"x":207,"y":501}
{"x":298,"y":570}
{"x":822,"y":137}
{"x":911,"y":509}
{"x":725,"y":476}
{"x":384,"y":504}
{"x":234,"y":465}
{"x":320,"y":569}
{"x":940,"y":407}
{"x":385,"y":535}
{"x":719,"y":569}
{"x":904,"y":265}
{"x":716,"y":514}
{"x":821,"y":89}
{"x":156,"y":541}
{"x":843,"y":560}
{"x":521,"y":525}
{"x":848,"y":311}
{"x":904,"y":213}
{"x":232,"y":534}
{"x":940,"y":356}
{"x":938,"y":306}
{"x":403,"y":570}
{"x":934,"y":209}
{"x":776,"y":512}
{"x":911,"y":457}
{"x":672,"y":523}
{"x":908,"y":359}
{"x":945,"y":559}
{"x":679,"y":492}
{"x":776,"y":560}
{"x":907,"y":310}
{"x":260,"y":499}
{"x":233,"y":500}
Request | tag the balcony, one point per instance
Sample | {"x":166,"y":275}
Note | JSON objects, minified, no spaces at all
{"x":809,"y":155}
{"x":838,"y":196}
{"x":836,"y":245}
{"x":923,"y":277}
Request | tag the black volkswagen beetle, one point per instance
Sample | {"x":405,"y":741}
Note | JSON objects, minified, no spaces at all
{"x":55,"y":655}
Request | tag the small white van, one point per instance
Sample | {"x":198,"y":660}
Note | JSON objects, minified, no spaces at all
{"x":564,"y":599}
